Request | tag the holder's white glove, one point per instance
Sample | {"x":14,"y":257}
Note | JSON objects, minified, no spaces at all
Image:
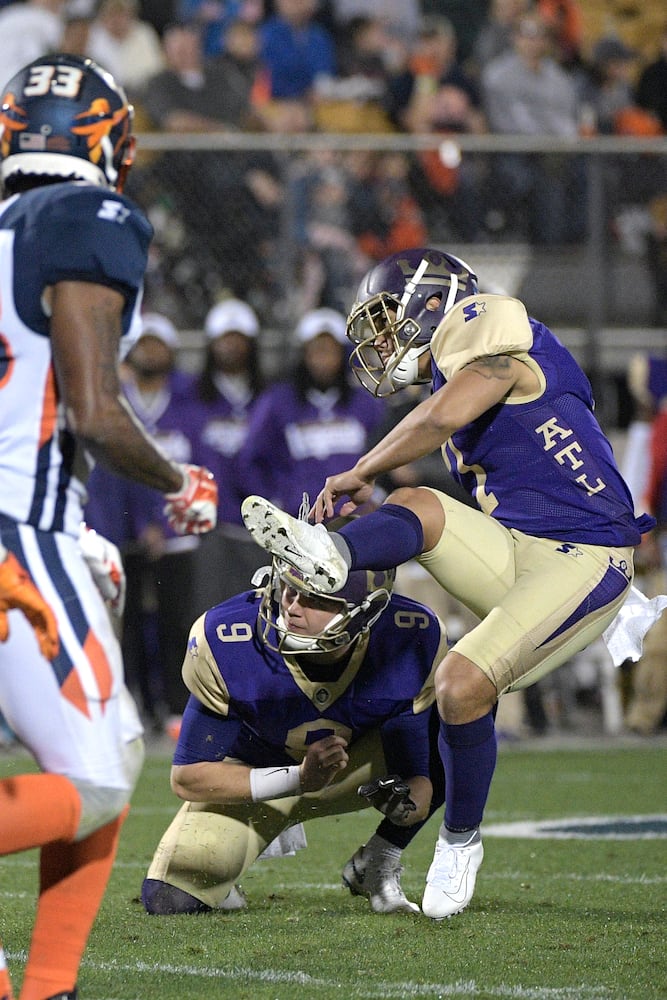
{"x":193,"y":510}
{"x":105,"y":563}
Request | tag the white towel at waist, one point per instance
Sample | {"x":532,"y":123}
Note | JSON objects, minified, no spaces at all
{"x":624,"y":638}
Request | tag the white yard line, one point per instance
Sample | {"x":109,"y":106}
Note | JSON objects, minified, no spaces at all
{"x":380,"y":991}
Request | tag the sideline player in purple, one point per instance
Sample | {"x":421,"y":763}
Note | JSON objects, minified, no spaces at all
{"x":223,"y":398}
{"x":297,"y":700}
{"x":316,"y":420}
{"x":546,"y":564}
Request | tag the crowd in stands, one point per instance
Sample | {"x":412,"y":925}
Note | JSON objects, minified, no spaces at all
{"x":406,"y":58}
{"x":510,"y":67}
{"x":517,"y":67}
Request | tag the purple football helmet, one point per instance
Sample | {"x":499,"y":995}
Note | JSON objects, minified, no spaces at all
{"x":355,"y":609}
{"x":401,"y":301}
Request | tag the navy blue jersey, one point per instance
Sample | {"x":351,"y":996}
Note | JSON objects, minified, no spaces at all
{"x":60,"y":232}
{"x":74,"y":232}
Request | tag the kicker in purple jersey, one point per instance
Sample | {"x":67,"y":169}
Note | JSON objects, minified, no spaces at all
{"x":546,"y":467}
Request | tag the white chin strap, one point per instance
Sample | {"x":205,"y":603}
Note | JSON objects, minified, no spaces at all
{"x":406,"y":371}
{"x":293,"y":643}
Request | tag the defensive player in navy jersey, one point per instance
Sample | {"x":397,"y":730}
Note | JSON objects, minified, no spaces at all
{"x":72,"y":259}
{"x":547,"y":562}
{"x":296,"y":701}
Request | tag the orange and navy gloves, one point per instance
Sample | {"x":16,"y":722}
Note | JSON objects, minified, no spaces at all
{"x":105,"y":563}
{"x":17,"y":591}
{"x":193,"y":510}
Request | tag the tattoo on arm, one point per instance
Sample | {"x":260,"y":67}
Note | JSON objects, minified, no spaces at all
{"x":495,"y":366}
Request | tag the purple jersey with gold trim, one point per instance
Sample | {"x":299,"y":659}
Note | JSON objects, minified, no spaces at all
{"x":540,"y":464}
{"x":253,"y":704}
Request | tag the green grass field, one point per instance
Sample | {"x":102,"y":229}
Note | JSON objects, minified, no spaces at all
{"x":552,"y":919}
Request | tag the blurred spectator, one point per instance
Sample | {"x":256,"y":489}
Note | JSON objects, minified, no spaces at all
{"x":565,"y":22}
{"x":235,"y":227}
{"x":609,"y":87}
{"x":329,"y":232}
{"x":159,"y":565}
{"x":314,"y":423}
{"x":127,"y":46}
{"x":526,"y":92}
{"x":434,"y":65}
{"x":296,"y":49}
{"x":348,"y":209}
{"x":609,"y":107}
{"x":385,"y":216}
{"x":651,"y":91}
{"x":213,"y":18}
{"x":29,"y":30}
{"x":226,"y":391}
{"x":361,"y":97}
{"x":648,"y":704}
{"x":330,"y":258}
{"x":194,"y":94}
{"x":494,"y":37}
{"x":443,"y":98}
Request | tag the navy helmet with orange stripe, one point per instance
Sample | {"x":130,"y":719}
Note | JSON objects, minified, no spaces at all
{"x":63,"y":117}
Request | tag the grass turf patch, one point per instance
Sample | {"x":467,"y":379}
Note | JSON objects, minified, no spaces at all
{"x":579,"y":919}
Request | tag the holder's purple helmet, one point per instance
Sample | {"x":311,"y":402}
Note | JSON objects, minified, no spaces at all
{"x":355,"y":608}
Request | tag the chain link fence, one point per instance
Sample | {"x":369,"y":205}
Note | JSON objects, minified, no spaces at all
{"x":577,"y":229}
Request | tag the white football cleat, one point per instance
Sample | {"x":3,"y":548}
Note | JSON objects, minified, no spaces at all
{"x":379,"y":880}
{"x":450,"y":882}
{"x":307,"y":547}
